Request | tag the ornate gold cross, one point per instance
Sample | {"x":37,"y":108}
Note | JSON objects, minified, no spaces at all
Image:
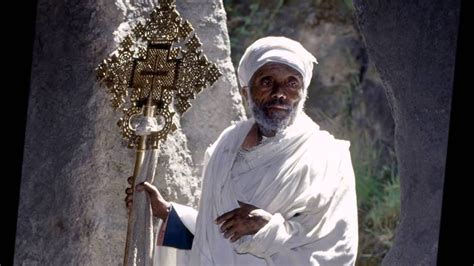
{"x":150,"y":67}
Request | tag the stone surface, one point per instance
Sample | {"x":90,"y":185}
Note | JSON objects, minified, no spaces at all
{"x":71,"y":209}
{"x":413,"y":46}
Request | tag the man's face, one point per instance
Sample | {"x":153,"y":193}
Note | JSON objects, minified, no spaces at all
{"x":275,"y":91}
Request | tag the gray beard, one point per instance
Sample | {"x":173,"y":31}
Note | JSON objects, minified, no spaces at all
{"x":277,"y":122}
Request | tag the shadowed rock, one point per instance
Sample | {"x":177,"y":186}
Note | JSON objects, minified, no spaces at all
{"x":413,"y":45}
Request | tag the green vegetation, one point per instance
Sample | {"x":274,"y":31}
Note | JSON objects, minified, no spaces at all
{"x":378,"y":195}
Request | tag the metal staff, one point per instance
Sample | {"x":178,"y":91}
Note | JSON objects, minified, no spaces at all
{"x":156,"y":75}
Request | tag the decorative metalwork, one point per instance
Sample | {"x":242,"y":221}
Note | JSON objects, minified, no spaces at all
{"x":149,"y":63}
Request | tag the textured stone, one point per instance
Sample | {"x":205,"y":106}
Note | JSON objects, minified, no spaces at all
{"x":71,"y":209}
{"x":413,"y":45}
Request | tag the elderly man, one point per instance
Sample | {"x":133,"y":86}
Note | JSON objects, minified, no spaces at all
{"x":276,"y":189}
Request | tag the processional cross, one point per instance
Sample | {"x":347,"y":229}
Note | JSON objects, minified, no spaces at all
{"x":150,"y":73}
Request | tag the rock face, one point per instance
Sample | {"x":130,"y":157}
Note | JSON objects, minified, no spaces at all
{"x":413,"y":46}
{"x":75,"y":166}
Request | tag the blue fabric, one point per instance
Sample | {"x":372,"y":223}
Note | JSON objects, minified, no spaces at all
{"x":177,"y":234}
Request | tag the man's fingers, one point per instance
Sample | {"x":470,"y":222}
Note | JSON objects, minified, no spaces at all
{"x":240,"y":230}
{"x":148,"y":187}
{"x":230,"y":233}
{"x":227,"y":225}
{"x":245,"y":220}
{"x":129,"y":202}
{"x":129,"y":180}
{"x":129,"y":197}
{"x":141,"y":187}
{"x":224,"y":217}
{"x":235,"y":237}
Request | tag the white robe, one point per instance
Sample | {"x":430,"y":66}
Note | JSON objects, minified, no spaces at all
{"x":304,"y":179}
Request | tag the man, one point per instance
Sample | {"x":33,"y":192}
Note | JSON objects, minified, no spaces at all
{"x":276,"y":189}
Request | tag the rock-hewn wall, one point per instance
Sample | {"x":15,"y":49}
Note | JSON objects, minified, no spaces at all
{"x":75,"y":166}
{"x":413,"y":45}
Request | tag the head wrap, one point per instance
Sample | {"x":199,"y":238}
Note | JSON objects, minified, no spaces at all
{"x":276,"y":49}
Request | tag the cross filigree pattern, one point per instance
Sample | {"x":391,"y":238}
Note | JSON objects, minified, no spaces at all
{"x":149,"y":63}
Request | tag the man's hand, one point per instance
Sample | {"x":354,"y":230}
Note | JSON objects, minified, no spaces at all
{"x":246,"y":220}
{"x":159,"y":205}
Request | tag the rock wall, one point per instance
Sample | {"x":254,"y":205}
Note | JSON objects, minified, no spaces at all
{"x":71,"y":208}
{"x":413,"y":45}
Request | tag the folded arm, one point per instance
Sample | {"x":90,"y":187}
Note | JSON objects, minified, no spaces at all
{"x":330,"y":230}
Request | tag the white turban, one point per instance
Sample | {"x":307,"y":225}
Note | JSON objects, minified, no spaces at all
{"x":276,"y":49}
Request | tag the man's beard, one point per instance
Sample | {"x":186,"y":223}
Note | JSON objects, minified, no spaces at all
{"x":276,"y":121}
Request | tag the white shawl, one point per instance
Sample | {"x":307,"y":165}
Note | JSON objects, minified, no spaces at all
{"x":304,"y":172}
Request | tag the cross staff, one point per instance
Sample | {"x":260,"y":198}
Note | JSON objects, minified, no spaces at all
{"x":151,"y":71}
